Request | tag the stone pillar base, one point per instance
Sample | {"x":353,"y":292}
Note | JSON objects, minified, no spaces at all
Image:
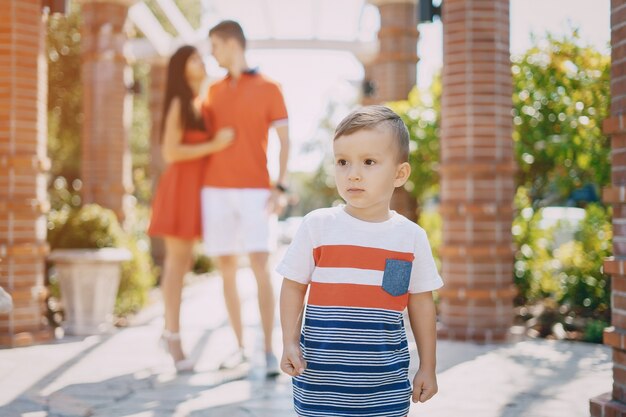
{"x":604,"y":406}
{"x":464,"y":334}
{"x":26,"y":338}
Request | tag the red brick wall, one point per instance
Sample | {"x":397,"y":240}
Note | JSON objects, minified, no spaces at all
{"x":106,"y":161}
{"x":614,"y":404}
{"x":477,"y":186}
{"x":23,"y":162}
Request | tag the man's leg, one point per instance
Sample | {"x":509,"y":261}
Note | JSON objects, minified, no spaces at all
{"x":227,"y":265}
{"x":259,"y":262}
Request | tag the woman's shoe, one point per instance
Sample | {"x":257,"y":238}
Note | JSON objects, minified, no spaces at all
{"x":183,"y":365}
{"x":234,"y":360}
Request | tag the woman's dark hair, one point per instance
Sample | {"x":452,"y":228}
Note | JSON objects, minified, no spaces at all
{"x":177,"y":86}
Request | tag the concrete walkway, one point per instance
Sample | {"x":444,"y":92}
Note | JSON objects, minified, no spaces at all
{"x":126,"y":375}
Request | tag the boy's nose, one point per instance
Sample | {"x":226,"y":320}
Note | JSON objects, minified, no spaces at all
{"x":354,"y":175}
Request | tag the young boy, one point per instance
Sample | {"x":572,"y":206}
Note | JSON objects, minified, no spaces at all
{"x":363,"y":264}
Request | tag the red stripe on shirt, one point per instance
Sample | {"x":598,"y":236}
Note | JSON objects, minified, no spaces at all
{"x":355,"y":295}
{"x":361,"y":257}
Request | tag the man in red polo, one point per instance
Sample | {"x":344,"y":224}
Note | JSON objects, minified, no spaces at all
{"x":239,"y":204}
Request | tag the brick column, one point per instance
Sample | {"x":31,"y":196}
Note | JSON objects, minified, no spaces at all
{"x":106,"y":160}
{"x":23,"y":163}
{"x":393,"y":72}
{"x":477,"y":168}
{"x":614,"y":404}
{"x":158,"y":78}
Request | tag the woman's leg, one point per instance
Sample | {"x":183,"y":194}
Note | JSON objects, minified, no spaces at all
{"x":178,"y":258}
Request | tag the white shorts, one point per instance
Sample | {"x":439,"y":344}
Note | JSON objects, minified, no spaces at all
{"x":235,"y":221}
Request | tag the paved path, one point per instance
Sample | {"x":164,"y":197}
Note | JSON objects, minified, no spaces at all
{"x":126,"y":375}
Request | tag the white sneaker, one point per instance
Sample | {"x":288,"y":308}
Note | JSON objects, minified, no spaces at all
{"x":271,"y":365}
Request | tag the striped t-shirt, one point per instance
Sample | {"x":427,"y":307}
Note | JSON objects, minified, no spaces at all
{"x":353,"y":340}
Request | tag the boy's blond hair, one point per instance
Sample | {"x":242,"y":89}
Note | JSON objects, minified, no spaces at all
{"x":373,"y":117}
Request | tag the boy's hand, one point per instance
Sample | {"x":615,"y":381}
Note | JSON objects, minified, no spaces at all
{"x":292,"y":362}
{"x":424,"y":386}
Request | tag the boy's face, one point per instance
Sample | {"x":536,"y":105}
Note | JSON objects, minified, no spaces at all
{"x":367,"y":169}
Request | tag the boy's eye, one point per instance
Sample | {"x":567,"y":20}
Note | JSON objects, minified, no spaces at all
{"x":369,"y":162}
{"x":341,"y":162}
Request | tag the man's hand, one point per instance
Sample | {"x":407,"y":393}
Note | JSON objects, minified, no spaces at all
{"x":292,"y":362}
{"x":424,"y":386}
{"x":276,"y":202}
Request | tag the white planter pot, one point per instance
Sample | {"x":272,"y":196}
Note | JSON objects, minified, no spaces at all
{"x":89,"y":279}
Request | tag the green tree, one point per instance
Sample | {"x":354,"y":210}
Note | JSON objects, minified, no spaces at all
{"x":421,"y":113}
{"x":65,"y":91}
{"x":561,"y":97}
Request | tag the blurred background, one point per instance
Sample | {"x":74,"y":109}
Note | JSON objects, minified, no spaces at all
{"x":505,"y":103}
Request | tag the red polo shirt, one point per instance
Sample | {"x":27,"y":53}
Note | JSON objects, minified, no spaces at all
{"x":250,"y":105}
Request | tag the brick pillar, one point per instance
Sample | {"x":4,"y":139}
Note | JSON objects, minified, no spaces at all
{"x":477,"y":168}
{"x":393,"y":72}
{"x":158,"y":78}
{"x":614,"y":404}
{"x":23,"y":163}
{"x":107,"y":105}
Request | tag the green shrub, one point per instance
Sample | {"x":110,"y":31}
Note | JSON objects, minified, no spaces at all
{"x":594,"y":331}
{"x":202,"y":264}
{"x":585,"y":287}
{"x":93,"y":227}
{"x":570,"y":274}
{"x":432,"y":222}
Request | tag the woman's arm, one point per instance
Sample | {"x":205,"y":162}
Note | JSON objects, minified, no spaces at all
{"x":173,"y":150}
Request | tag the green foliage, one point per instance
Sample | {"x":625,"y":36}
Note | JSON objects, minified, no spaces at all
{"x":65,"y":114}
{"x":533,"y":280}
{"x":191,"y":9}
{"x":137,"y":279}
{"x":139,"y":137}
{"x":586,"y":287}
{"x":594,"y":331}
{"x":314,"y":190}
{"x":202,"y":264}
{"x":93,"y":227}
{"x":89,"y":227}
{"x":570,"y":274}
{"x":422,"y":115}
{"x":432,"y":222}
{"x":561,"y":97}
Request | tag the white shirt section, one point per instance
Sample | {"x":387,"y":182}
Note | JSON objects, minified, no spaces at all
{"x":334,"y":226}
{"x":348,"y":276}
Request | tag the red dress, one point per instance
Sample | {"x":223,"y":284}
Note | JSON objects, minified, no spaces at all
{"x":176,"y":202}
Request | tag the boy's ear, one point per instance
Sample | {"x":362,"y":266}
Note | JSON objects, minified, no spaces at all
{"x":402,"y":174}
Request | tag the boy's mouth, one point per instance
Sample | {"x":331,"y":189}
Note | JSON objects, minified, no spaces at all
{"x":355,"y":190}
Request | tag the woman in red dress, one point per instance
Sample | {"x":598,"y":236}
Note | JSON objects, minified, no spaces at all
{"x":176,"y":204}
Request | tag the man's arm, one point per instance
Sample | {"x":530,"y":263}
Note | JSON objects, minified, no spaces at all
{"x":282,"y":130}
{"x":276,"y":202}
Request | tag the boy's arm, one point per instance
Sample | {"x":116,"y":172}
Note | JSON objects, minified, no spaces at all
{"x":291,"y":308}
{"x":423,"y":319}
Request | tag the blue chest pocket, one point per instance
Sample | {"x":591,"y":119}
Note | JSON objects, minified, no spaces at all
{"x":397,"y":276}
